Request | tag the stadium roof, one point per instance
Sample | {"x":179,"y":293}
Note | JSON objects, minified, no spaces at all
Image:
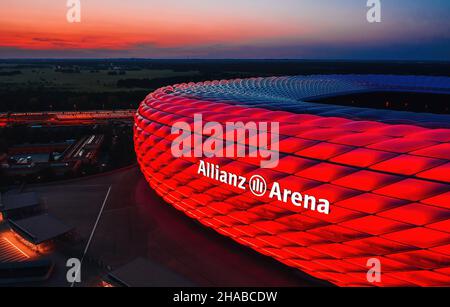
{"x":291,"y":94}
{"x":40,"y":228}
{"x":143,"y":273}
{"x":18,"y":201}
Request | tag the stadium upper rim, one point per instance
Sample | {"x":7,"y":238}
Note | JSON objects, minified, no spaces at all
{"x":291,"y":93}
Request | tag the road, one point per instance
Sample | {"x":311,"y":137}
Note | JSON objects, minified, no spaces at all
{"x":136,"y":222}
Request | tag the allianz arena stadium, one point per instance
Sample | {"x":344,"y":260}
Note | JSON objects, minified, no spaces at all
{"x":385,"y":173}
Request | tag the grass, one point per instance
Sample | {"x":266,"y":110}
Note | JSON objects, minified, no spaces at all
{"x":84,"y":81}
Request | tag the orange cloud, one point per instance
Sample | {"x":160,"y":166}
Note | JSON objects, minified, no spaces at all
{"x":111,"y":29}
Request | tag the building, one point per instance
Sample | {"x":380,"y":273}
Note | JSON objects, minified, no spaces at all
{"x":19,"y":205}
{"x":57,"y":159}
{"x":385,"y":174}
{"x":143,"y":273}
{"x":40,"y":231}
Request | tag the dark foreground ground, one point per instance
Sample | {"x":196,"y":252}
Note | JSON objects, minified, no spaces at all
{"x":136,"y":222}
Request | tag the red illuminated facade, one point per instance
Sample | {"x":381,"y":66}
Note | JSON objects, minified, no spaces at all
{"x":388,"y":183}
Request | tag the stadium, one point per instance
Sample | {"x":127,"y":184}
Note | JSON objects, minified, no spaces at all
{"x":386,"y":173}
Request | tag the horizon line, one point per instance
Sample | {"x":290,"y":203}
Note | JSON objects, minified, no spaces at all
{"x":229,"y":59}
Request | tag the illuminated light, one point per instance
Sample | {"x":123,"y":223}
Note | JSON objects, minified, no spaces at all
{"x":105,"y":284}
{"x":387,"y":183}
{"x":37,"y":248}
{"x":16,"y":247}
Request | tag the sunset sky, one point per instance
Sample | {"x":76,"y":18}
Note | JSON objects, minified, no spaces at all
{"x":306,"y":29}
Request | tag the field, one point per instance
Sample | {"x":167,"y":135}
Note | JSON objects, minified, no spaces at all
{"x":66,"y":85}
{"x":79,"y":79}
